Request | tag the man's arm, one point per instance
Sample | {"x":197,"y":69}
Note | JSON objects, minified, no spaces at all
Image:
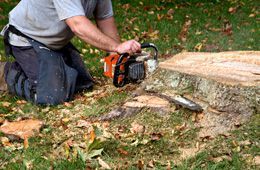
{"x":88,"y":32}
{"x":108,"y":27}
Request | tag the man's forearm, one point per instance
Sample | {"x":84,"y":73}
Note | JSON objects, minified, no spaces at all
{"x":88,"y":32}
{"x":108,"y":27}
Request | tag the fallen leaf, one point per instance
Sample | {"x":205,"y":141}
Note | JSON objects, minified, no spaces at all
{"x":221,"y":158}
{"x":137,"y":128}
{"x":198,"y":47}
{"x":26,"y":143}
{"x":140,"y":164}
{"x":245,"y":143}
{"x":181,"y":127}
{"x":227,"y":28}
{"x":122,"y":151}
{"x":5,"y":141}
{"x":5,"y":104}
{"x":22,"y":129}
{"x":156,"y":136}
{"x":126,"y":6}
{"x":160,"y":16}
{"x":256,"y":160}
{"x":103,"y":164}
{"x":184,"y":31}
{"x":199,"y":116}
{"x":92,"y":136}
{"x":170,"y":11}
{"x":232,"y":10}
{"x":150,"y":164}
{"x":21,"y":102}
{"x":121,"y":129}
{"x":252,"y":15}
{"x":188,"y":152}
{"x":65,"y":120}
{"x":67,"y":104}
{"x":151,"y":12}
{"x":83,"y":123}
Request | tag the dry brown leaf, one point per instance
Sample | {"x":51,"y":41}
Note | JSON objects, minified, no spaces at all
{"x":160,"y":17}
{"x":5,"y":141}
{"x":170,"y":12}
{"x":232,"y":10}
{"x":222,"y":158}
{"x":22,"y":129}
{"x":199,"y":116}
{"x":126,"y":6}
{"x":83,"y":123}
{"x":156,"y":136}
{"x":181,"y":127}
{"x":103,"y":164}
{"x":150,"y":164}
{"x":67,"y":104}
{"x":21,"y":102}
{"x":184,"y":31}
{"x":256,"y":160}
{"x":227,"y":28}
{"x":122,"y":151}
{"x":5,"y":104}
{"x":140,"y":164}
{"x":92,"y":136}
{"x":26,"y":143}
{"x":121,"y":129}
{"x":137,"y":128}
{"x":245,"y":143}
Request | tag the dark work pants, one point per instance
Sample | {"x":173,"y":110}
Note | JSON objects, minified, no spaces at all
{"x":45,"y":76}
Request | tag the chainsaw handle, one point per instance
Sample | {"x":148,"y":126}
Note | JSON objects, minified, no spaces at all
{"x":116,"y":81}
{"x":151,"y":45}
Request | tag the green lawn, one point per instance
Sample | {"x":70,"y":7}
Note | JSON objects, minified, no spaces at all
{"x":214,"y":26}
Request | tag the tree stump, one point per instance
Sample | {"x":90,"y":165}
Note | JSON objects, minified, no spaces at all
{"x":226,"y":84}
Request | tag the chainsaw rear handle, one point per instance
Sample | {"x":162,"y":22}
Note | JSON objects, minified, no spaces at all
{"x":118,"y":72}
{"x":120,"y":62}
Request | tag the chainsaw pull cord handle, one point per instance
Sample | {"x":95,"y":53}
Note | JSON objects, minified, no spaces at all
{"x":119,"y":62}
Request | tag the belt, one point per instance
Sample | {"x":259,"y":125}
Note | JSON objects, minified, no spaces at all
{"x":12,"y":29}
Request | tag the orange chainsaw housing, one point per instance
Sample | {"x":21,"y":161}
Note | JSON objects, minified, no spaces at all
{"x":110,"y":63}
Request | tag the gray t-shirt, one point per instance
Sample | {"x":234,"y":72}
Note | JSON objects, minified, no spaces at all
{"x":43,"y":20}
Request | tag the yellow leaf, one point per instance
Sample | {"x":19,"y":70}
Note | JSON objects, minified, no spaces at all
{"x":26,"y":143}
{"x":92,"y":136}
{"x":198,"y":47}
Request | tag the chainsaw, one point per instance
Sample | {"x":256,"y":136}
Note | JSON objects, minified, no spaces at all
{"x":125,"y":68}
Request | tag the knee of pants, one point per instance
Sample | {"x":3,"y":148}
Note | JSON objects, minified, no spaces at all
{"x":18,"y":83}
{"x":59,"y":89}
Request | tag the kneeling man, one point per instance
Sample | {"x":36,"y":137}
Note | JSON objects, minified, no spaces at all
{"x":48,"y":68}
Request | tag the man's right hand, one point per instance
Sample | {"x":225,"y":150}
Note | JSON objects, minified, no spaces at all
{"x":130,"y":47}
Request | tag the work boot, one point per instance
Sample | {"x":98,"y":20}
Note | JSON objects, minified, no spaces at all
{"x":3,"y":85}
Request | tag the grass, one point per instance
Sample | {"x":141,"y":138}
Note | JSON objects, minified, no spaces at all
{"x":139,"y":19}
